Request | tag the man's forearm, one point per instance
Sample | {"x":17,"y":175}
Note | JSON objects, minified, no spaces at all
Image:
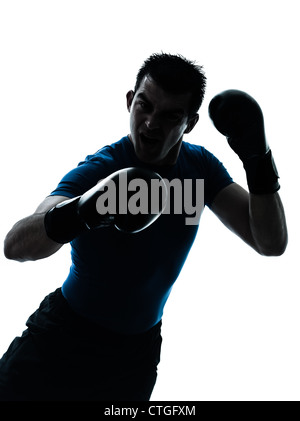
{"x":27,"y":240}
{"x":268,"y":224}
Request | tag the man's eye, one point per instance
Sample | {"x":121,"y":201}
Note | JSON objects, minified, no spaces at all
{"x":142,"y":104}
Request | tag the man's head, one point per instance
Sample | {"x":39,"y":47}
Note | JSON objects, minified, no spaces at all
{"x":169,"y":91}
{"x":175,"y":75}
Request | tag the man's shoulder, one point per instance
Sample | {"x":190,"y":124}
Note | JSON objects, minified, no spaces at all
{"x":115,"y":154}
{"x":199,"y":157}
{"x":112,"y":149}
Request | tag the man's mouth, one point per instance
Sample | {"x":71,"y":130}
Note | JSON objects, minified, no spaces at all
{"x":148,"y":139}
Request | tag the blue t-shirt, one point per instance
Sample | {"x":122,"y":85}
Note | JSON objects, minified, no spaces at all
{"x":122,"y":281}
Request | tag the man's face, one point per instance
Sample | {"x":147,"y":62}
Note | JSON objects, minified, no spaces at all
{"x":158,"y":121}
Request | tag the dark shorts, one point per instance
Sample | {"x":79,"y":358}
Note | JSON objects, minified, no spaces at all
{"x":62,"y":357}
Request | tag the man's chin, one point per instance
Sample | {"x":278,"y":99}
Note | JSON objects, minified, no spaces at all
{"x":147,"y":154}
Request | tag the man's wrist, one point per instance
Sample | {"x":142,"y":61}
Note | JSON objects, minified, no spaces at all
{"x":262,"y":174}
{"x":63,"y":222}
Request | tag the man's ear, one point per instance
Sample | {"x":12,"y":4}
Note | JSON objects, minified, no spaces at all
{"x":129,"y":98}
{"x":192,"y":123}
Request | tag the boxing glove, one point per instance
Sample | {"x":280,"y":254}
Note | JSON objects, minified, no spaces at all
{"x":239,"y":117}
{"x":70,"y":218}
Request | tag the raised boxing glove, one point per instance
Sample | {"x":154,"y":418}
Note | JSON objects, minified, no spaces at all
{"x":239,"y":117}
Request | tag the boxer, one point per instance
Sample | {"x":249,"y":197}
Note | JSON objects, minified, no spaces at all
{"x":98,"y":336}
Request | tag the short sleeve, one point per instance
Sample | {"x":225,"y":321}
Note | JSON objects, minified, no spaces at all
{"x":95,"y":167}
{"x":85,"y":176}
{"x":217,"y":178}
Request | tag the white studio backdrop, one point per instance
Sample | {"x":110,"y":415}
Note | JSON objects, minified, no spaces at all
{"x":230,"y":329}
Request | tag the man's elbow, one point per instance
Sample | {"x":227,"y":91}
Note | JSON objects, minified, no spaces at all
{"x":10,"y":251}
{"x":8,"y":248}
{"x":273,"y":250}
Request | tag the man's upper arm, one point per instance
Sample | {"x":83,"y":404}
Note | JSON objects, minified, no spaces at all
{"x":231,"y":206}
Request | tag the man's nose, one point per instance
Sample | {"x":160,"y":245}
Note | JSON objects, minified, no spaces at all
{"x":152,"y":122}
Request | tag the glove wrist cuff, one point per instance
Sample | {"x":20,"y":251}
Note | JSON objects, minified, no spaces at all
{"x":262,"y":175}
{"x":63,"y":223}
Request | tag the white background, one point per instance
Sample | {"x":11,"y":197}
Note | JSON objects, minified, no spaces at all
{"x":231,"y":325}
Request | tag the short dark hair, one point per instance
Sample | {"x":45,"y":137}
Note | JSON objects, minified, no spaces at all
{"x":175,"y":74}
